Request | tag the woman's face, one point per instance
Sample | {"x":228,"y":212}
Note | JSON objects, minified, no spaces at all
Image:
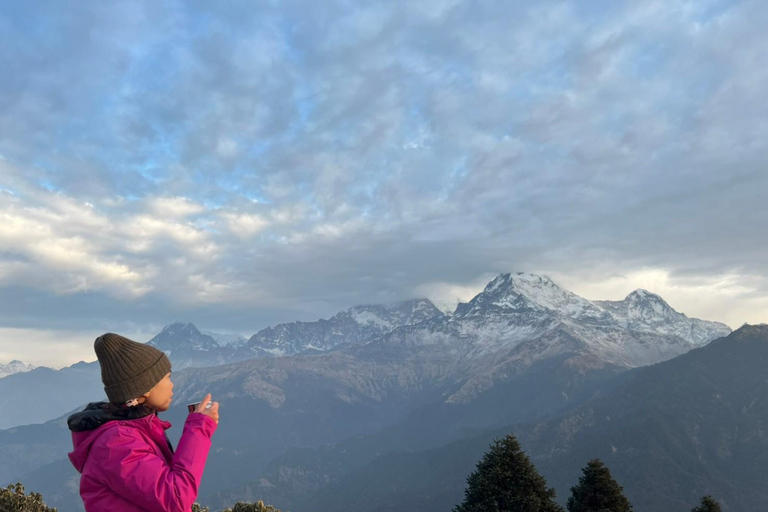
{"x":160,"y":396}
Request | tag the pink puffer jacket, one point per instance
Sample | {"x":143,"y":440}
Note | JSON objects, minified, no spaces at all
{"x":128,"y":465}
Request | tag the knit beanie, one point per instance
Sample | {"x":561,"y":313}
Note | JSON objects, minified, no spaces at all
{"x":128,"y":368}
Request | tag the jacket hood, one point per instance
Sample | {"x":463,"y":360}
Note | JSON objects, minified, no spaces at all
{"x":97,"y":418}
{"x":96,"y":414}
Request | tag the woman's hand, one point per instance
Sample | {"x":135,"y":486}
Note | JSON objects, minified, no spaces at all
{"x":212,"y":411}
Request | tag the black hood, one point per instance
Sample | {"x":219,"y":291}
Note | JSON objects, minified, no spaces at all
{"x":96,"y":414}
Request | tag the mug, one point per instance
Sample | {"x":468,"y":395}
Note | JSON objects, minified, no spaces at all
{"x":192,"y":407}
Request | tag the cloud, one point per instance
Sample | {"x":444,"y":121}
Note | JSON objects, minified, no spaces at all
{"x":446,"y":296}
{"x":174,"y":207}
{"x":244,"y":225}
{"x":247,"y":165}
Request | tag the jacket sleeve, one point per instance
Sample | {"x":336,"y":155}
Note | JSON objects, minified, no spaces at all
{"x":133,"y":470}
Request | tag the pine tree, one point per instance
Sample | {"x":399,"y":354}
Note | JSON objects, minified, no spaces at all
{"x":507,"y":481}
{"x":708,"y":504}
{"x":597,"y":491}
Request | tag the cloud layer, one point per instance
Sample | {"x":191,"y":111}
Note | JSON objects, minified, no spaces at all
{"x":240,"y":165}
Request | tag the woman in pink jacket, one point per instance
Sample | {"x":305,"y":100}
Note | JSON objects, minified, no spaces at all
{"x":121,"y":449}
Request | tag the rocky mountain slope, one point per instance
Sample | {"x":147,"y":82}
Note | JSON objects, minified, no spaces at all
{"x":670,"y":433}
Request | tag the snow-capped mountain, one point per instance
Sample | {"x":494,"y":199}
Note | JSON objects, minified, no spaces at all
{"x":15,"y":366}
{"x":640,"y":312}
{"x":226,"y":339}
{"x":521,"y":319}
{"x":355,"y":326}
{"x":643,"y":311}
{"x":527,"y":317}
{"x":186,"y":346}
{"x":182,"y":337}
{"x":519,"y":291}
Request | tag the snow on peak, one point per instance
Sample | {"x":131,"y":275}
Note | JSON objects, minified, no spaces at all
{"x":644,"y":311}
{"x":368,"y":315}
{"x":643,"y":294}
{"x":640,"y":311}
{"x":226,"y":339}
{"x":386,"y":317}
{"x":353,"y":326}
{"x":182,"y":336}
{"x":644,"y":304}
{"x":540,"y":292}
{"x":15,"y":366}
{"x":181,"y":327}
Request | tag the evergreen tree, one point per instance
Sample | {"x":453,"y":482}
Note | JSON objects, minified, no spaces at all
{"x":707,"y":505}
{"x":507,"y":481}
{"x":597,"y":491}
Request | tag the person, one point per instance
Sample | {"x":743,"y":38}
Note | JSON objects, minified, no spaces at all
{"x":120,"y":446}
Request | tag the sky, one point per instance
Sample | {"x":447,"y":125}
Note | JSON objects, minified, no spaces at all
{"x":241,"y":164}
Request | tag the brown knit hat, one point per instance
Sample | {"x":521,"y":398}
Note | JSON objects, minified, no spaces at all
{"x":128,"y":368}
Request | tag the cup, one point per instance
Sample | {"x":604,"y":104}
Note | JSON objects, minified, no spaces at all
{"x":192,"y":407}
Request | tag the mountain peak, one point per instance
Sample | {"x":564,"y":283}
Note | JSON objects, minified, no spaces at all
{"x":15,"y":362}
{"x":649,"y":304}
{"x":643,"y":294}
{"x":388,"y":316}
{"x":226,"y":339}
{"x":751,"y":330}
{"x":519,"y":279}
{"x":181,"y":326}
{"x":356,"y":325}
{"x":181,"y":337}
{"x":15,"y":366}
{"x":642,"y":310}
{"x":537,"y":291}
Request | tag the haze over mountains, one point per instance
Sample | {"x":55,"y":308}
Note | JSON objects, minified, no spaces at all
{"x":44,"y":393}
{"x":380,"y":378}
